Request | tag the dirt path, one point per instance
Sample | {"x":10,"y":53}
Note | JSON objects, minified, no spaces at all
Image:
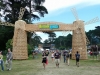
{"x":51,"y":69}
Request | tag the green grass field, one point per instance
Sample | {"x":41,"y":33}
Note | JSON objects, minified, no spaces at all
{"x":34,"y":67}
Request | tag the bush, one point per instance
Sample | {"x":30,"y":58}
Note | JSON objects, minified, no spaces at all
{"x":29,"y":49}
{"x":61,"y":48}
{"x":9,"y":44}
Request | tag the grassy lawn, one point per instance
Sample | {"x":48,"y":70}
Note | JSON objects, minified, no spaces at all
{"x":34,"y":67}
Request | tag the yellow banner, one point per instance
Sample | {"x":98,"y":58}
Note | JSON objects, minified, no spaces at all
{"x":44,"y":26}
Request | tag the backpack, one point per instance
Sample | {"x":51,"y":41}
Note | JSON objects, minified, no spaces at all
{"x":67,"y":55}
{"x":64,"y":54}
{"x":77,"y":56}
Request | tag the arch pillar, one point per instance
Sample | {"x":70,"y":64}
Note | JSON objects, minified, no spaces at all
{"x":20,"y":41}
{"x":79,"y":40}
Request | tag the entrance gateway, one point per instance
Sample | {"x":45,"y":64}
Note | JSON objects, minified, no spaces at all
{"x":20,"y":36}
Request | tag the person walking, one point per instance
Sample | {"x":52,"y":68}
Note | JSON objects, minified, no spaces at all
{"x":64,"y":56}
{"x":67,"y":58}
{"x":44,"y":59}
{"x":47,"y":54}
{"x":9,"y":58}
{"x":52,"y":56}
{"x":1,"y":61}
{"x":77,"y":55}
{"x":60,"y":54}
{"x":70,"y":54}
{"x":57,"y":58}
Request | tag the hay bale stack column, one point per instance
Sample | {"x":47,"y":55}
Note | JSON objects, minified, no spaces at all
{"x":20,"y":41}
{"x":79,"y":40}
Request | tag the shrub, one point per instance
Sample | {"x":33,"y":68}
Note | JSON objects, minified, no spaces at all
{"x":29,"y":49}
{"x":9,"y":44}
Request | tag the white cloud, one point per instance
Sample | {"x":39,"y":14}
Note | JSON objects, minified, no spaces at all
{"x":53,"y":5}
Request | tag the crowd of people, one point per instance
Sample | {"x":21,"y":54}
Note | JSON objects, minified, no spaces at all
{"x":56,"y":57}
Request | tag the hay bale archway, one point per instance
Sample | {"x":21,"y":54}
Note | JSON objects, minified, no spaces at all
{"x":20,"y":36}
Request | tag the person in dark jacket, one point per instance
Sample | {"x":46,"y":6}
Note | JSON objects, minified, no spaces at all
{"x":57,"y":58}
{"x":77,"y":55}
{"x":64,"y":56}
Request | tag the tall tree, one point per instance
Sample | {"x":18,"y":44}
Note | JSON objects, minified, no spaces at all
{"x":68,"y":41}
{"x":46,"y":41}
{"x":5,"y":34}
{"x":59,"y":41}
{"x":97,"y":31}
{"x":94,"y":35}
{"x":51,"y":37}
{"x":11,"y":10}
{"x":36,"y":41}
{"x":64,"y":42}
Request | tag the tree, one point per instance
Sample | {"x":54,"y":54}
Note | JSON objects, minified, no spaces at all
{"x":97,"y":31}
{"x":29,"y":49}
{"x":68,"y":40}
{"x":36,"y":40}
{"x":51,"y":37}
{"x":6,"y":33}
{"x":59,"y":42}
{"x":11,"y":10}
{"x":46,"y":41}
{"x":63,"y":42}
{"x":94,"y":35}
{"x":9,"y":44}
